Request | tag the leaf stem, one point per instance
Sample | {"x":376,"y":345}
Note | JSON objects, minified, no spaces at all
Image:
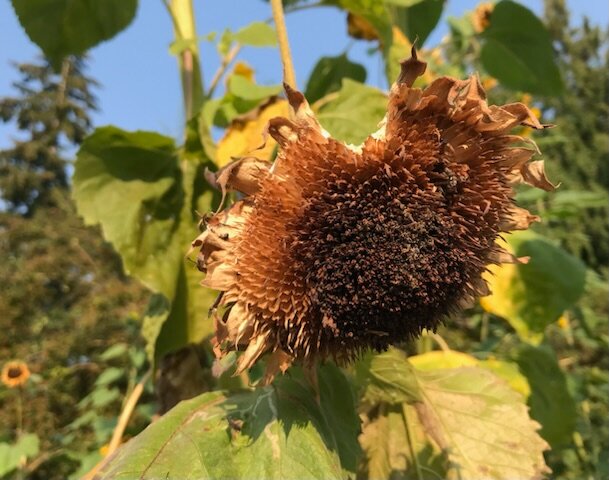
{"x":226,"y":61}
{"x":289,"y":76}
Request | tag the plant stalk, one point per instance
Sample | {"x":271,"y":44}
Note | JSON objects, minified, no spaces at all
{"x":289,"y":76}
{"x":182,"y":15}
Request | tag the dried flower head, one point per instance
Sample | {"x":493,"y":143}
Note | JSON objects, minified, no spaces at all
{"x":335,"y":249}
{"x":15,"y":373}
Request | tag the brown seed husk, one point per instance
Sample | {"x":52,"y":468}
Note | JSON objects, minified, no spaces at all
{"x":335,"y":249}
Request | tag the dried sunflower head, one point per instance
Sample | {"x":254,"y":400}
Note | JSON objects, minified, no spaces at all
{"x":15,"y":373}
{"x":335,"y":249}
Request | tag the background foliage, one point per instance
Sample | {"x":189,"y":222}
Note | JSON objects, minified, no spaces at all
{"x":100,"y":303}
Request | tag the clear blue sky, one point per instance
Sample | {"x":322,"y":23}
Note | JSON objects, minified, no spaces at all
{"x":139,"y":78}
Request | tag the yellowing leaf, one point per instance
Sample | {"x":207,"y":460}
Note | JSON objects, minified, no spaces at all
{"x":467,"y":423}
{"x":508,"y":371}
{"x":442,"y":359}
{"x":245,"y":137}
{"x":531,"y":296}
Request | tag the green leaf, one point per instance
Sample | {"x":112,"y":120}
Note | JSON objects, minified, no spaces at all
{"x":417,"y":19}
{"x":87,"y":462}
{"x":109,"y":375}
{"x":113,"y":352}
{"x":12,"y":456}
{"x":532,"y":296}
{"x":65,"y":27}
{"x":551,"y":403}
{"x":99,"y":398}
{"x":569,"y":203}
{"x":272,"y":432}
{"x":355,"y":112}
{"x":337,"y":401}
{"x":389,"y":377}
{"x":244,"y":88}
{"x":130,"y":183}
{"x":256,"y":34}
{"x":328,"y":74}
{"x":476,"y":420}
{"x":518,"y":51}
{"x":179,"y":45}
{"x":144,"y":195}
{"x":482,"y":423}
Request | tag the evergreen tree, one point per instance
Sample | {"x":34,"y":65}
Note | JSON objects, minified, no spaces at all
{"x":53,"y":111}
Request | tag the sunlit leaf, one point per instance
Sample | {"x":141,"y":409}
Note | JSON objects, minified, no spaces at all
{"x":518,"y":50}
{"x":532,"y":296}
{"x":397,"y":448}
{"x":245,"y":137}
{"x":256,"y":34}
{"x":65,"y":27}
{"x":354,"y":113}
{"x":272,"y":432}
{"x":476,"y":422}
{"x":508,"y":371}
{"x":144,"y":197}
{"x":388,"y":377}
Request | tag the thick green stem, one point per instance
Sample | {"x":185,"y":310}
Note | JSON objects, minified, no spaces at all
{"x":182,"y":14}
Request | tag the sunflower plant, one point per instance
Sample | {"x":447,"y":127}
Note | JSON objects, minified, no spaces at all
{"x":317,"y":255}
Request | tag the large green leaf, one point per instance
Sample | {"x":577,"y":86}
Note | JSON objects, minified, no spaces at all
{"x":355,"y":112}
{"x":416,"y":19}
{"x":532,"y":296}
{"x":131,"y":184}
{"x":137,"y":187}
{"x":518,"y":50}
{"x":272,"y":432}
{"x":468,"y":424}
{"x":551,"y":403}
{"x":328,"y":73}
{"x":68,"y":27}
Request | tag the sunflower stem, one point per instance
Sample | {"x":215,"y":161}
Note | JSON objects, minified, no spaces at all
{"x":182,"y":16}
{"x":289,"y":76}
{"x":19,"y":411}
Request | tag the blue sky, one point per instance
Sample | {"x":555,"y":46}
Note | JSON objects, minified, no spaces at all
{"x":139,"y":77}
